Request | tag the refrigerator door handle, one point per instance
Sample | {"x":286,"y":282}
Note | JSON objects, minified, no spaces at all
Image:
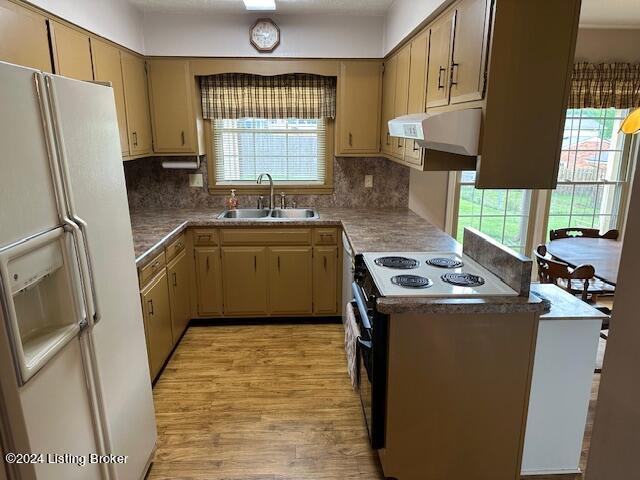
{"x":83,"y":228}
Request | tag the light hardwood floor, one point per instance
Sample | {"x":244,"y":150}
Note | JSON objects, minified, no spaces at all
{"x":261,"y":402}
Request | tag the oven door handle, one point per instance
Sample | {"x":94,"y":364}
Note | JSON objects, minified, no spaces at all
{"x":358,"y":296}
{"x":364,"y":344}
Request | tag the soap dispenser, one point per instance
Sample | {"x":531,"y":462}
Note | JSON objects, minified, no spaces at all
{"x":232,"y":200}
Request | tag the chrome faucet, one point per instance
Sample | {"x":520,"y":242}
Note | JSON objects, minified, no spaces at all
{"x":271,"y":195}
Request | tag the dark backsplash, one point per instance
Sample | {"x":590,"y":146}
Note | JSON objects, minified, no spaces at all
{"x":149,"y":185}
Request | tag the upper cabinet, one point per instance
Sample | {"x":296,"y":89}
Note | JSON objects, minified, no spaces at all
{"x":469,"y":51}
{"x":440,"y":60}
{"x":136,"y":97}
{"x":358,"y":109}
{"x":72,"y":52}
{"x":403,"y":64}
{"x":107,"y":67}
{"x":388,"y":102}
{"x":24,"y":39}
{"x":512,"y":60}
{"x":417,"y":90}
{"x":174,"y":107}
{"x":525,"y":107}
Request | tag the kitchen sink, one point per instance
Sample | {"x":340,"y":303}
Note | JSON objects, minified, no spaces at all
{"x":244,"y":213}
{"x":266,"y":215}
{"x":293,"y":213}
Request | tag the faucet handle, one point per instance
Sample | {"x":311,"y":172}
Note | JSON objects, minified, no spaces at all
{"x":294,"y":204}
{"x":260,"y":202}
{"x":283,"y":200}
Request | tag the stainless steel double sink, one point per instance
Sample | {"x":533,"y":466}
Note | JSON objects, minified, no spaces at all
{"x":266,"y":214}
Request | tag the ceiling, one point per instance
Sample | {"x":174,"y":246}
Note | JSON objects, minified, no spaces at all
{"x":345,"y":7}
{"x":610,"y":13}
{"x":596,"y":13}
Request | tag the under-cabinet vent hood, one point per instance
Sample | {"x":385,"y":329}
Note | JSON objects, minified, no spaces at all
{"x":456,"y":131}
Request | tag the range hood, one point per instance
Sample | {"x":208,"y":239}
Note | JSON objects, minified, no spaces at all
{"x":455,"y":131}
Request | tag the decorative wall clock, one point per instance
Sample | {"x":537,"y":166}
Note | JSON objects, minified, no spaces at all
{"x":264,"y":35}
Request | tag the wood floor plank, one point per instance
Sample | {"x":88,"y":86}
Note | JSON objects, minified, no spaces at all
{"x":265,"y":402}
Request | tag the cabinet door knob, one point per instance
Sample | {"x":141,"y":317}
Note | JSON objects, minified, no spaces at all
{"x":175,"y":279}
{"x":150,"y":307}
{"x":182,"y":137}
{"x":350,"y":139}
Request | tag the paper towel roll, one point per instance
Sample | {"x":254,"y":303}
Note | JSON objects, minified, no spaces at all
{"x":187,"y":165}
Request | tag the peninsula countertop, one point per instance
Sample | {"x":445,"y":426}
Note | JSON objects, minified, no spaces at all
{"x":372,"y":230}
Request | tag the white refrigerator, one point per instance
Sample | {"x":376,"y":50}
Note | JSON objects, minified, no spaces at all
{"x":74,"y":378}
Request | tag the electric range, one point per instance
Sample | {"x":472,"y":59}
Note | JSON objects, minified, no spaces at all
{"x":432,"y":274}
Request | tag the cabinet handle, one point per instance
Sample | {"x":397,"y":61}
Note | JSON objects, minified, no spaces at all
{"x":255,"y":263}
{"x":207,"y":263}
{"x":182,"y":136}
{"x":440,"y":70}
{"x":155,"y":265}
{"x":324,"y":263}
{"x":399,"y":143}
{"x":387,"y":138}
{"x":415,"y":146}
{"x":454,"y":73}
{"x":175,"y":279}
{"x":350,"y":139}
{"x":150,"y":307}
{"x":135,"y":138}
{"x":278,"y":263}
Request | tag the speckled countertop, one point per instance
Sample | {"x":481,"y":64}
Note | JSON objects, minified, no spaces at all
{"x":367,"y":229}
{"x":370,"y":230}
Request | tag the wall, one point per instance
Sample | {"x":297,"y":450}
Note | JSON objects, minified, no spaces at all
{"x":598,"y":45}
{"x":616,"y":432}
{"x":428,"y":195}
{"x":306,"y":36}
{"x":116,"y":20}
{"x":403,"y":17}
{"x":151,"y":186}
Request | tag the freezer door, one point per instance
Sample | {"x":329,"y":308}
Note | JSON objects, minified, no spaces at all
{"x":87,"y":130}
{"x":28,"y":203}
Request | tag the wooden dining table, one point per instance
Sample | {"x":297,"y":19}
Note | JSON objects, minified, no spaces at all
{"x":603,"y":254}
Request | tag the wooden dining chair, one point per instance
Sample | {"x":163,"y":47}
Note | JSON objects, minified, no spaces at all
{"x":579,"y":281}
{"x":582,"y":233}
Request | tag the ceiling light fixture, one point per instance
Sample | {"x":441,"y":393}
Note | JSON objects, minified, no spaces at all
{"x":631,"y":124}
{"x":260,"y":5}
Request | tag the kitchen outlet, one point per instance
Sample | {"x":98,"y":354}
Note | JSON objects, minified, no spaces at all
{"x":195,"y":180}
{"x":368,"y":181}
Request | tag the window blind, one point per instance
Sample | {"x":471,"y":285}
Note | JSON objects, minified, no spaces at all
{"x":292,"y":150}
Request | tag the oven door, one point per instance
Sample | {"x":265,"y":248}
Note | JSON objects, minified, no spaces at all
{"x":371,"y":356}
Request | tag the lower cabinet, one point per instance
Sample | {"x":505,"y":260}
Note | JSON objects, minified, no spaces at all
{"x":178,"y":272}
{"x":157,"y":318}
{"x":209,"y":280}
{"x":290,"y":280}
{"x":244,"y":270}
{"x":325,"y":280}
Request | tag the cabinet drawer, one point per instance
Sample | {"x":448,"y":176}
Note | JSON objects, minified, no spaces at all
{"x":325,"y":236}
{"x":150,"y":269}
{"x":266,"y":236}
{"x":203,"y":236}
{"x":175,"y":247}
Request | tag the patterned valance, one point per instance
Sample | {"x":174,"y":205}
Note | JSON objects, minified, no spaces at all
{"x":295,"y":95}
{"x":605,"y":85}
